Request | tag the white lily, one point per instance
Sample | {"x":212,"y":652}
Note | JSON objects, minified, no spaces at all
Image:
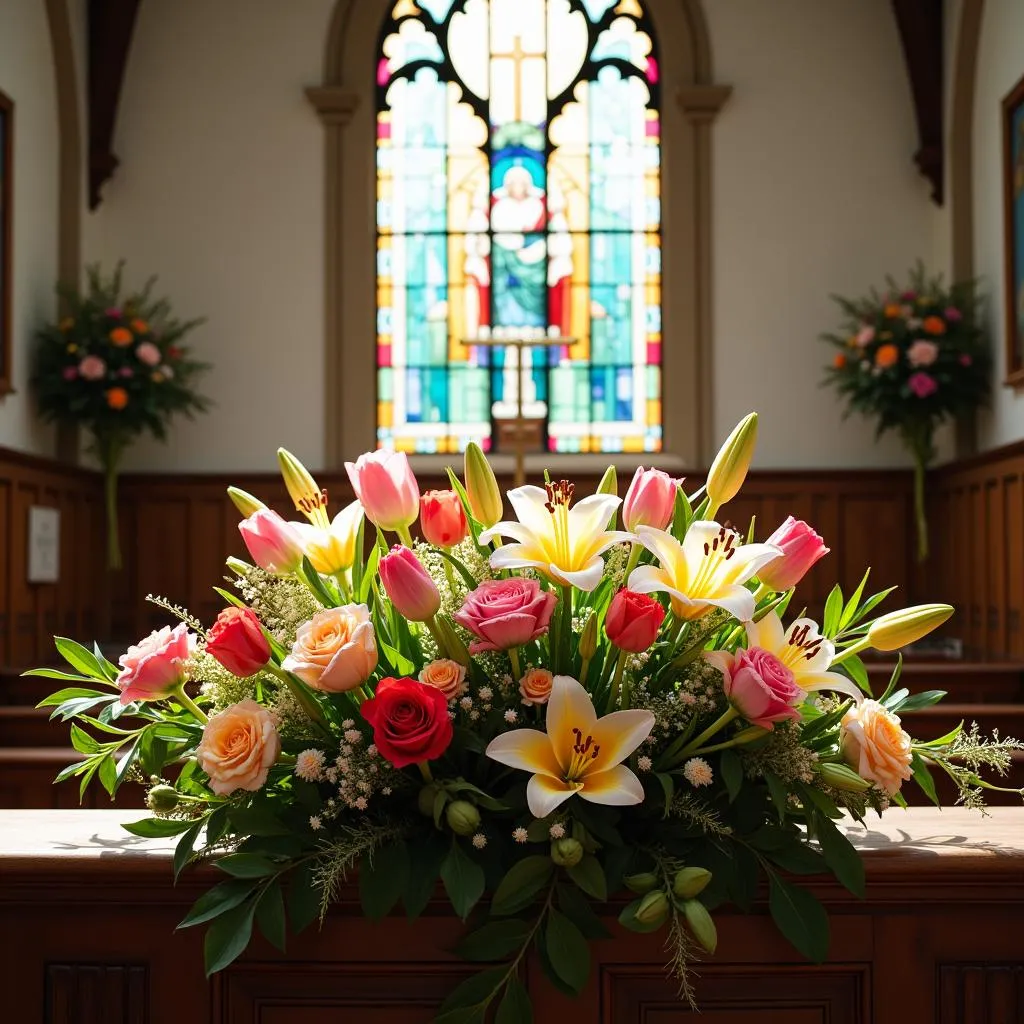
{"x":332,"y":548}
{"x":707,"y":570}
{"x":579,"y":753}
{"x":563,"y":543}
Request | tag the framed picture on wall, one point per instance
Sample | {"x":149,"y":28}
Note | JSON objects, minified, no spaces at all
{"x":1013,"y":226}
{"x":6,"y":236}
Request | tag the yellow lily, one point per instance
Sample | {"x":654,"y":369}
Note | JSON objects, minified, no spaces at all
{"x":332,"y":548}
{"x":707,"y":570}
{"x":563,"y":543}
{"x":309,"y":498}
{"x":579,"y":753}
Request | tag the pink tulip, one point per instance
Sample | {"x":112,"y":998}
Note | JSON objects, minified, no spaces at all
{"x":761,"y":688}
{"x":506,"y":613}
{"x":442,"y":518}
{"x":413,"y":593}
{"x":650,"y":500}
{"x":154,"y":668}
{"x":386,"y":487}
{"x":922,"y":384}
{"x":801,"y":548}
{"x":922,"y":353}
{"x":274,"y":544}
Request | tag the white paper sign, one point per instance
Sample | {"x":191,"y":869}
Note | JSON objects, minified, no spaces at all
{"x":43,"y":544}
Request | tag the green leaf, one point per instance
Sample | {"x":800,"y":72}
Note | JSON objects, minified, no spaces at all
{"x":186,"y":844}
{"x":778,"y":793}
{"x":227,"y":937}
{"x":463,"y":880}
{"x":495,"y":940}
{"x":398,"y":661}
{"x":56,"y":673}
{"x":158,"y":828}
{"x":577,"y":908}
{"x":316,"y":584}
{"x":521,"y":883}
{"x":944,"y":741}
{"x":515,"y":1006}
{"x":800,"y":918}
{"x":256,"y":821}
{"x":424,"y":870}
{"x":216,"y":901}
{"x":925,"y":699}
{"x":270,"y":915}
{"x":303,"y":897}
{"x":126,"y":760}
{"x":923,"y":777}
{"x":589,"y":876}
{"x":83,"y":742}
{"x":360,"y":549}
{"x":833,"y":609}
{"x":382,"y":879}
{"x":468,"y":578}
{"x":843,"y":859}
{"x":851,"y":606}
{"x":855,"y":669}
{"x":247,"y":865}
{"x":476,"y":991}
{"x":69,"y":693}
{"x":799,"y":859}
{"x":71,"y":770}
{"x":567,"y":950}
{"x":230,"y":598}
{"x":732,"y":773}
{"x":108,"y":775}
{"x":368,"y":574}
{"x":80,"y":658}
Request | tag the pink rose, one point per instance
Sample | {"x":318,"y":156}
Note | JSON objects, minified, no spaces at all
{"x":274,"y":544}
{"x":922,"y":384}
{"x":759,"y":686}
{"x":876,"y":747}
{"x":952,"y":314}
{"x":865,"y":336}
{"x":148,"y":353}
{"x":801,"y":548}
{"x":92,"y":368}
{"x":154,"y":668}
{"x":238,"y":748}
{"x":409,"y":585}
{"x":336,"y":650}
{"x":386,"y":487}
{"x":650,"y":500}
{"x":922,"y":353}
{"x":506,"y":613}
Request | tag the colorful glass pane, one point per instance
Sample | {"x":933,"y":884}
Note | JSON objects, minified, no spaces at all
{"x":518,"y":197}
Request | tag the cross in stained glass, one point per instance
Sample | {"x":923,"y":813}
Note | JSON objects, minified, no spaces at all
{"x":517,"y":55}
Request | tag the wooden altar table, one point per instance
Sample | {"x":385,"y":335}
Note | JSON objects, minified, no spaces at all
{"x":87,"y":918}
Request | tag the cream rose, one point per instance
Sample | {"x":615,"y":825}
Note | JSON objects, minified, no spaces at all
{"x":238,"y":747}
{"x":535,"y":686}
{"x":875,"y":745}
{"x":445,"y":675}
{"x":336,"y":650}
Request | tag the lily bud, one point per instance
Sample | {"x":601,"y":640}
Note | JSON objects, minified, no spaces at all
{"x":653,"y":908}
{"x":162,"y":799}
{"x":463,"y":817}
{"x":236,"y":565}
{"x":642,"y":883}
{"x":897,"y":629}
{"x":245,"y":502}
{"x":302,"y":488}
{"x":588,"y":638}
{"x":425,"y":800}
{"x":838,"y":776}
{"x":567,"y":852}
{"x":729,"y":469}
{"x":700,"y":923}
{"x":609,"y":482}
{"x":481,"y":486}
{"x":689,"y":882}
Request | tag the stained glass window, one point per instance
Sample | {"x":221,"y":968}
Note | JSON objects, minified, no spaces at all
{"x":518,"y":196}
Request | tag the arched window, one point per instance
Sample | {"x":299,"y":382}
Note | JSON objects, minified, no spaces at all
{"x":518,"y":197}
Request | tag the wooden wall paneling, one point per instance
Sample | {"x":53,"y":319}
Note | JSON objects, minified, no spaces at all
{"x":96,"y":994}
{"x":996,"y":603}
{"x":980,"y":993}
{"x":23,"y":604}
{"x":207,"y":551}
{"x":6,"y":544}
{"x":1013,"y":532}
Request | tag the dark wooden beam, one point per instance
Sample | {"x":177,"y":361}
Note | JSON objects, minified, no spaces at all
{"x":920,"y":27}
{"x":111,"y":23}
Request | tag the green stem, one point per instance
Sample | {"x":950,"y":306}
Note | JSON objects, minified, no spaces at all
{"x":425,"y":771}
{"x":635,"y":550}
{"x":306,"y":700}
{"x":763,"y":590}
{"x":736,"y":741}
{"x":343,"y":584}
{"x":849,"y":652}
{"x":616,"y":695}
{"x":919,"y":511}
{"x":715,"y":727}
{"x":189,"y":704}
{"x":403,"y":532}
{"x":435,"y":632}
{"x":513,"y":656}
{"x":565,"y":647}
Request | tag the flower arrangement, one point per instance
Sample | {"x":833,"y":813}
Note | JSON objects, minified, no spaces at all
{"x":912,"y":357}
{"x":590,"y":698}
{"x":115,"y":365}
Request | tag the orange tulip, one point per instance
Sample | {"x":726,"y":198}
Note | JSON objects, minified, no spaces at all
{"x":934,"y":325}
{"x":886,"y":356}
{"x":840,"y":361}
{"x":121,"y":337}
{"x":893,"y":310}
{"x":117,"y":398}
{"x":140,"y":326}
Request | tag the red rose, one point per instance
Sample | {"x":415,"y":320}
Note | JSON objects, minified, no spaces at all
{"x":410,"y":721}
{"x":237,"y":641}
{"x":633,"y":621}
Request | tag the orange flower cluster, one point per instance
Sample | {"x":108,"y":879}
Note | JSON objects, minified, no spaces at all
{"x":117,"y":398}
{"x":886,"y":356}
{"x":121,"y":336}
{"x":934,"y":325}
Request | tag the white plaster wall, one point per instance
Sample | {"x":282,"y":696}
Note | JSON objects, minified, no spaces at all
{"x":1000,"y":66}
{"x":220,"y":192}
{"x":26,"y":76}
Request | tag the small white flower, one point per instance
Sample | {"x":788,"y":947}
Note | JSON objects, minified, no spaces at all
{"x":474,"y":715}
{"x":371,"y":750}
{"x":348,"y":723}
{"x":644,"y":763}
{"x":353,"y":736}
{"x":511,"y":716}
{"x":331,"y":775}
{"x":315,"y":823}
{"x":479,"y":840}
{"x":557,"y":831}
{"x":698,"y":772}
{"x":309,"y":765}
{"x":688,"y":698}
{"x":387,"y":791}
{"x":346,"y":750}
{"x":485,"y":692}
{"x":520,"y":835}
{"x":466,"y":703}
{"x":360,"y":803}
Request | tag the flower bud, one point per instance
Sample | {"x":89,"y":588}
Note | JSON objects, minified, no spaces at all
{"x":442,"y":518}
{"x":302,"y":488}
{"x":237,"y":641}
{"x":245,"y":502}
{"x":425,"y":800}
{"x":729,"y":469}
{"x":162,"y":799}
{"x":609,"y":482}
{"x":481,"y":486}
{"x":409,"y":586}
{"x":897,"y":629}
{"x":588,"y":638}
{"x":275,"y":545}
{"x":642,"y":883}
{"x":700,"y":923}
{"x":463,"y":817}
{"x":633,"y":621}
{"x":650,"y":500}
{"x":689,"y":882}
{"x":801,"y":547}
{"x":653,"y":908}
{"x":838,"y":776}
{"x":567,"y":852}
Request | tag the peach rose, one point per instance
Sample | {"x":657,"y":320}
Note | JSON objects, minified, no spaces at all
{"x":336,"y":650}
{"x":535,"y":686}
{"x":875,"y":745}
{"x":445,"y":675}
{"x":238,"y":747}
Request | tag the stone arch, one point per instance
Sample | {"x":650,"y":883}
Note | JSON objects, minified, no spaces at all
{"x":345,"y":104}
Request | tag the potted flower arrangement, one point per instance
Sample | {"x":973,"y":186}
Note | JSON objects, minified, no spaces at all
{"x":115,"y":365}
{"x":911,"y":357}
{"x":594,"y":697}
